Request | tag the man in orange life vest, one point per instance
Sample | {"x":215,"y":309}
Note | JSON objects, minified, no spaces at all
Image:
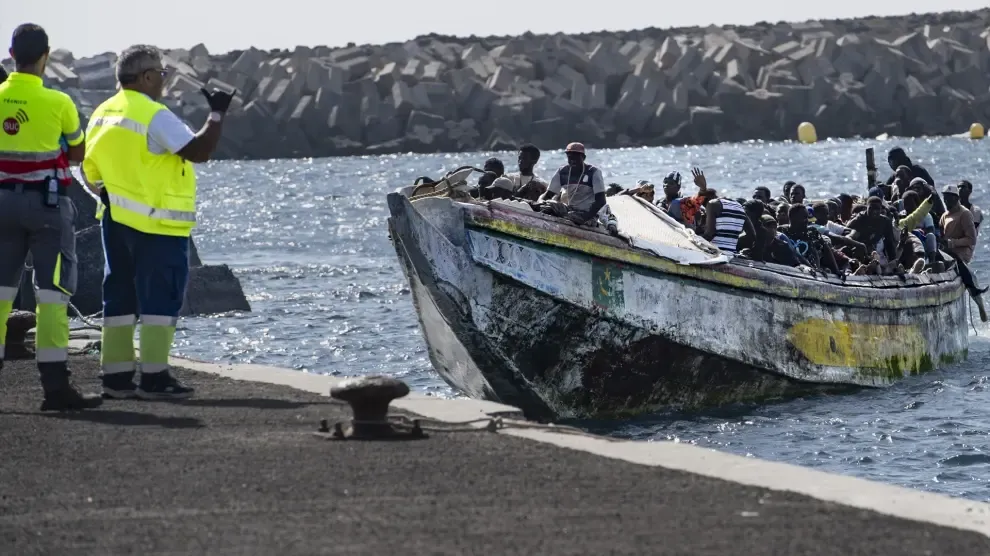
{"x":36,"y":215}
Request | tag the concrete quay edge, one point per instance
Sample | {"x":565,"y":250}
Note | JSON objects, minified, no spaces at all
{"x":890,"y":500}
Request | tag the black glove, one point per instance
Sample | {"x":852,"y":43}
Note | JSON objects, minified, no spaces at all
{"x":219,"y":100}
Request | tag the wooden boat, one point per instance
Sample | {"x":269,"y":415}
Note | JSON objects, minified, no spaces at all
{"x":571,"y":321}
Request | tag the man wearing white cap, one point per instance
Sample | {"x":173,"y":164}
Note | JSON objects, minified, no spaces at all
{"x":959,"y":239}
{"x":958,"y":228}
{"x":577,"y":190}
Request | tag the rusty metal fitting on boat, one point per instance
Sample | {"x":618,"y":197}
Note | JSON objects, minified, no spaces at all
{"x":369,"y":398}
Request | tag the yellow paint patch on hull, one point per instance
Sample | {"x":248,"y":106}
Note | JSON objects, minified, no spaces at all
{"x":892,"y":349}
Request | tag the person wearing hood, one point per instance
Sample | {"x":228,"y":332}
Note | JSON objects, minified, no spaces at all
{"x":897,"y":157}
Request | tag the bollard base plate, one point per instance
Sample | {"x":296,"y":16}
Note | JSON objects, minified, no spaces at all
{"x":369,"y":431}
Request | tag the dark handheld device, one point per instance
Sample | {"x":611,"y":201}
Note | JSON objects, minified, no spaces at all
{"x":51,"y":192}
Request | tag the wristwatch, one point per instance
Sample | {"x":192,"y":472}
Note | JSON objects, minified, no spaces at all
{"x":216,"y":116}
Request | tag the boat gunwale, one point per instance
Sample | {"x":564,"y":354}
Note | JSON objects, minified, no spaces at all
{"x":764,"y":278}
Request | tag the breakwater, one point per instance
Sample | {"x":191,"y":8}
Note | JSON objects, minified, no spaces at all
{"x":910,"y":75}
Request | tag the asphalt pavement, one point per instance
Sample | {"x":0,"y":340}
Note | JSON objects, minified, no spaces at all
{"x":237,"y":470}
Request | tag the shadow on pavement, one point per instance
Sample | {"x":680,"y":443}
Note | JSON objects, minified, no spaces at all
{"x":118,"y":417}
{"x":259,"y":403}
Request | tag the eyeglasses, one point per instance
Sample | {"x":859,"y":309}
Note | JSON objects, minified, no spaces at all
{"x":162,"y":71}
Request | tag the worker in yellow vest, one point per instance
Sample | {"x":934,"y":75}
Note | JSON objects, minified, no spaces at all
{"x":36,"y":215}
{"x":139,"y":159}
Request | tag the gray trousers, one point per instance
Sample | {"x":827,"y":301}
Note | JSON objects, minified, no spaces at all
{"x":28,"y":226}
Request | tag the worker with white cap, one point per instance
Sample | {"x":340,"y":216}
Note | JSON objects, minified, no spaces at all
{"x":577,"y":190}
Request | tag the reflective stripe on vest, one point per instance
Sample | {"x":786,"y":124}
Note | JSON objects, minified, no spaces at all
{"x":32,"y":118}
{"x":152,"y":193}
{"x":151,"y":212}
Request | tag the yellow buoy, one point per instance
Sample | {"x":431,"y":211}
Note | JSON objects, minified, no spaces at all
{"x":976,"y":131}
{"x":807,"y":133}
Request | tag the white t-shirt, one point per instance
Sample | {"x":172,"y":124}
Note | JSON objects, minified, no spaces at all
{"x":168,"y":133}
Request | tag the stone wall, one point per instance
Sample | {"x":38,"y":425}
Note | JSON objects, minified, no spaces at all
{"x":911,"y":75}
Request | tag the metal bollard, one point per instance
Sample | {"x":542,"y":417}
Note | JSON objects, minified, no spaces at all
{"x":369,"y":398}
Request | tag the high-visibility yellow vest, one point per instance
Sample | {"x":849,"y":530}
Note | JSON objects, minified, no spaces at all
{"x":33,"y":118}
{"x":152,"y":193}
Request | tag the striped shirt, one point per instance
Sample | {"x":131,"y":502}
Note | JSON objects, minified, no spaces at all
{"x":729,"y":226}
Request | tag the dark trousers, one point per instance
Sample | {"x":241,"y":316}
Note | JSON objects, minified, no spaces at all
{"x":145,"y":274}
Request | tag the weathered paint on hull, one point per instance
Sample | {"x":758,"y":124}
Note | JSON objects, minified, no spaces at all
{"x":563,"y":334}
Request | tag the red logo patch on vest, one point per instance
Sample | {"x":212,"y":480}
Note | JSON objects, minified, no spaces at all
{"x":11,"y":126}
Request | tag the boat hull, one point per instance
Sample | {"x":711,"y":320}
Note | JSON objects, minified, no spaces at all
{"x":564,"y":333}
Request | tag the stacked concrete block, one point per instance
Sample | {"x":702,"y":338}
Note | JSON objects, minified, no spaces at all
{"x":915,"y":75}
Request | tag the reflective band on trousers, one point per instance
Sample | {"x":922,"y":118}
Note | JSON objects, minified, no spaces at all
{"x":121,"y":320}
{"x":121,"y":367}
{"x":159,"y":320}
{"x":53,"y":297}
{"x":52,"y":355}
{"x":119,"y":121}
{"x":151,"y":212}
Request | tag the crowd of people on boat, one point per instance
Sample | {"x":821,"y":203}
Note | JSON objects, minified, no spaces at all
{"x":903,"y":226}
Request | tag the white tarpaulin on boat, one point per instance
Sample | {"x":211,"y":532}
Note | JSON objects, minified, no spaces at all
{"x":647,"y":227}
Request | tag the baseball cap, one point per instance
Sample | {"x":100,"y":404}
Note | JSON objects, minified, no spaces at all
{"x":575,"y":148}
{"x":951,"y":190}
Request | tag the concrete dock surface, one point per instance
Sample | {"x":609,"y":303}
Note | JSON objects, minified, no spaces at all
{"x":237,"y":470}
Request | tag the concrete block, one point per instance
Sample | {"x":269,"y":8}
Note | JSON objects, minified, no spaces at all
{"x":345,"y":123}
{"x":432,"y":71}
{"x":179,"y":84}
{"x":62,"y":74}
{"x":598,"y":97}
{"x":690,"y":58}
{"x":473,"y":52}
{"x":668,"y":54}
{"x":557,"y":86}
{"x":501,"y":80}
{"x":412,"y":71}
{"x":248,"y":61}
{"x":356,"y":67}
{"x":386,"y":78}
{"x":478,"y":104}
{"x":734,"y":72}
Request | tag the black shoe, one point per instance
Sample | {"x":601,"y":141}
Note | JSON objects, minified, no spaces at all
{"x":119,"y":386}
{"x":162,"y":386}
{"x":68,"y":398}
